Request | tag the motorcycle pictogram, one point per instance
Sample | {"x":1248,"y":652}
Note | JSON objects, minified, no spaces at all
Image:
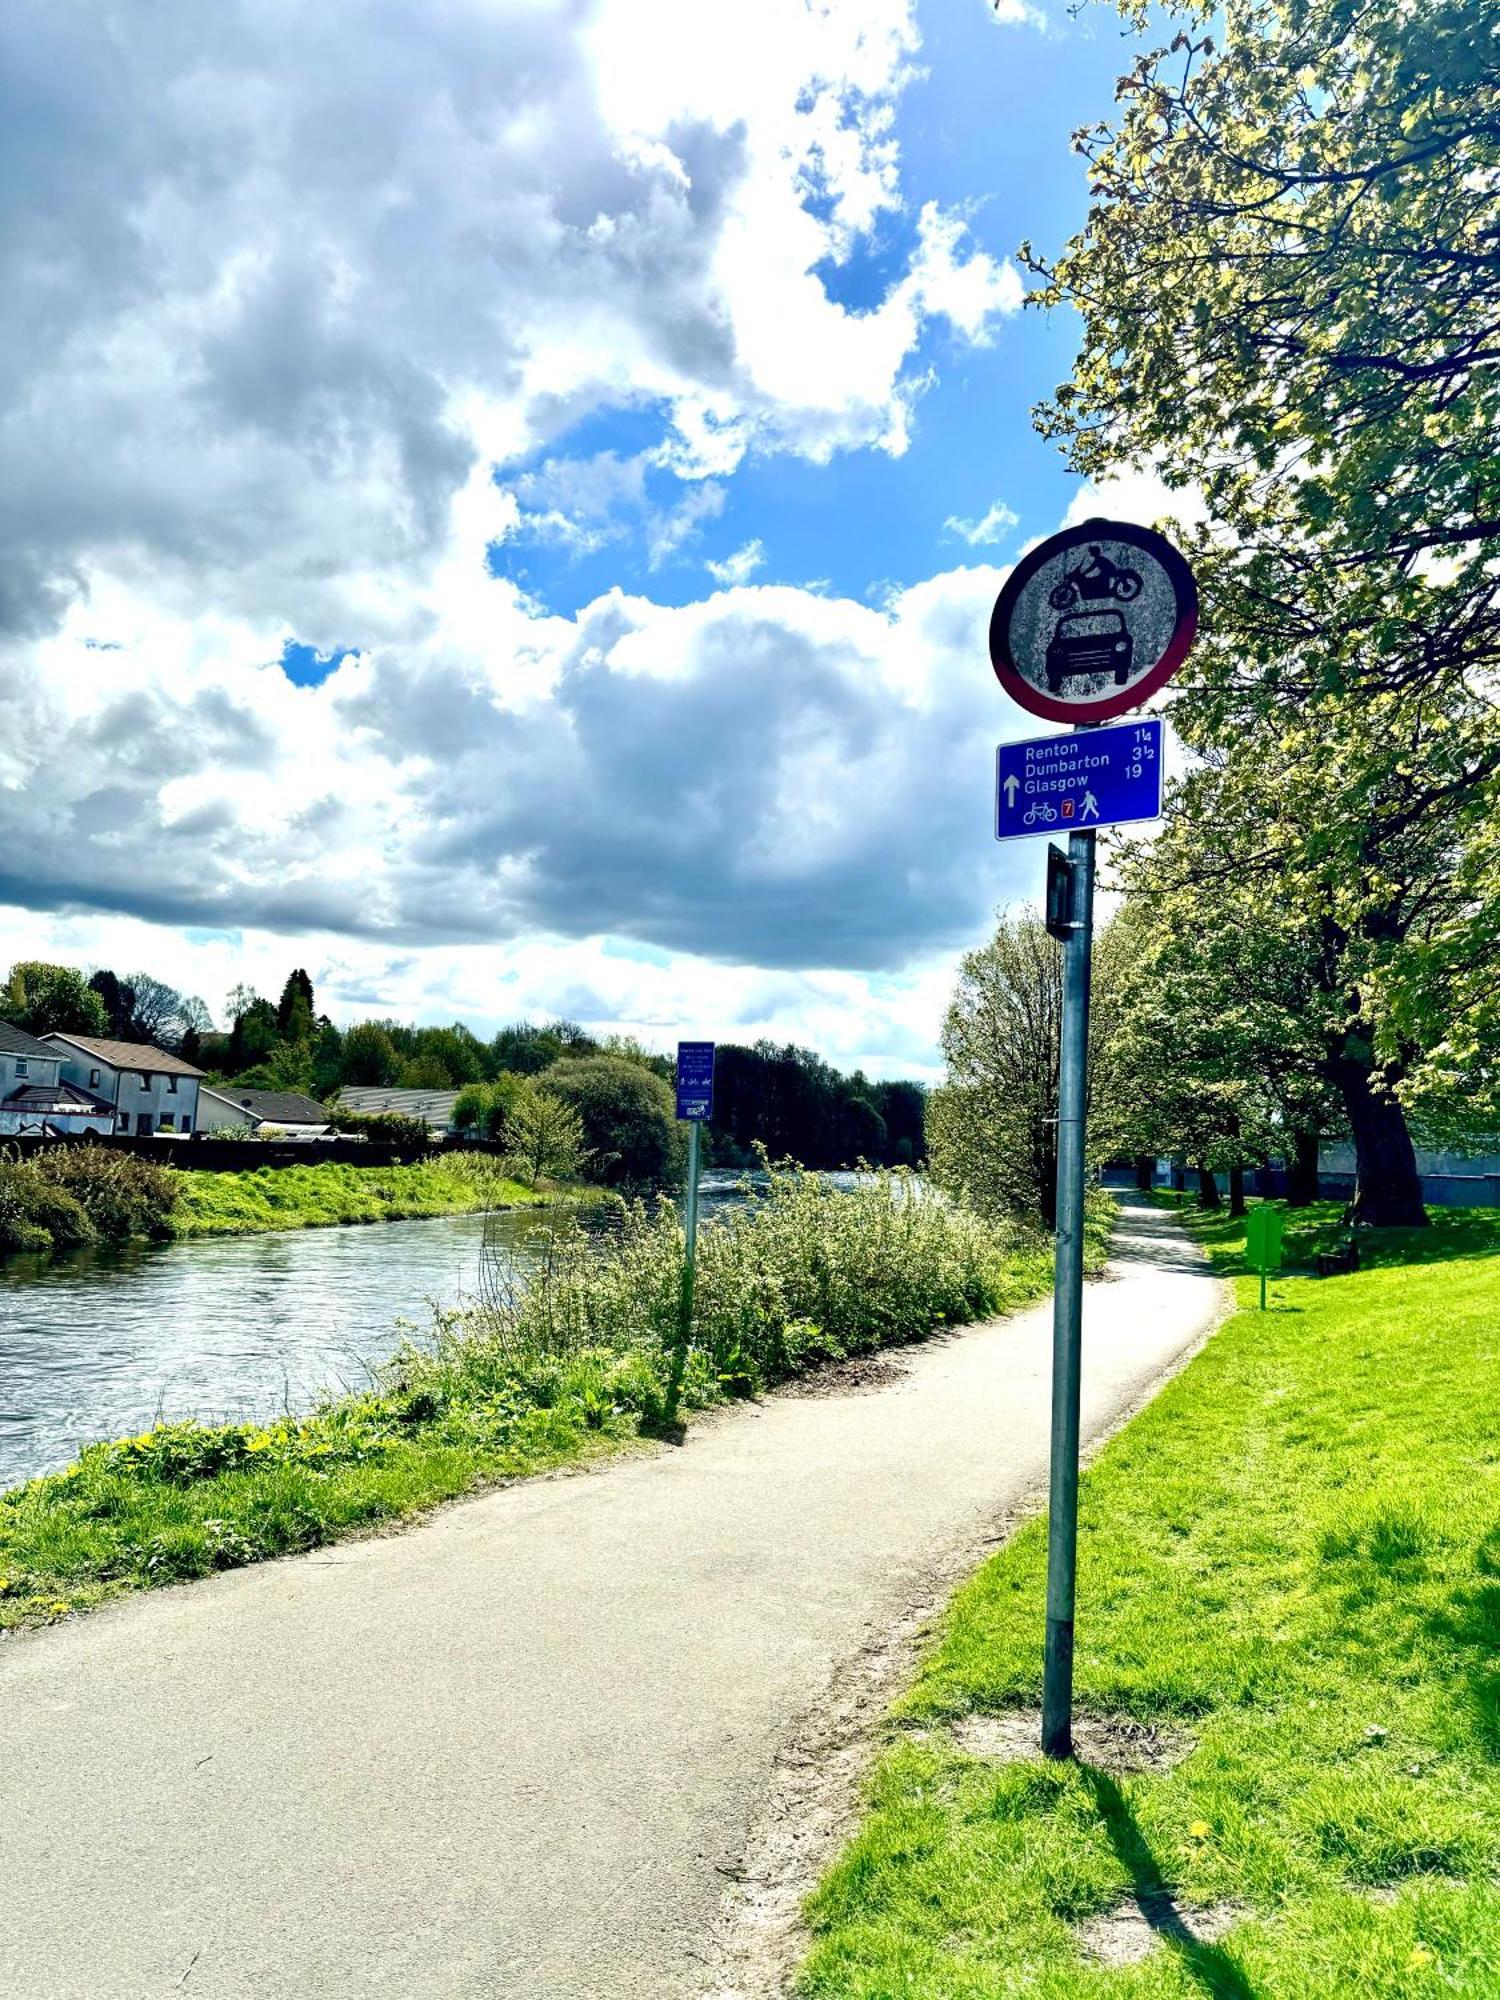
{"x":1094,"y":579}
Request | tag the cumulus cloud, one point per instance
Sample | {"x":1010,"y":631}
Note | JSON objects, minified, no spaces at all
{"x":301,"y":307}
{"x":992,"y":526}
{"x":276,"y":280}
{"x":740,"y":567}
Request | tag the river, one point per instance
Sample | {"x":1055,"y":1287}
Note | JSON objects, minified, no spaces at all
{"x":102,"y":1343}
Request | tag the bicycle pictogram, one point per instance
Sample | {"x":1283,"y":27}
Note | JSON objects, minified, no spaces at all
{"x":1042,"y":812}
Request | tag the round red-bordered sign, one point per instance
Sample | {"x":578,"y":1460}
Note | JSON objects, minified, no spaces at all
{"x":1093,"y":621}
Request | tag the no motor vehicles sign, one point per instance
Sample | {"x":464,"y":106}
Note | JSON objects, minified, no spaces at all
{"x":1093,"y":621}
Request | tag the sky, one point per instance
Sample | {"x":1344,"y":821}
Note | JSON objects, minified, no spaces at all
{"x":504,"y":498}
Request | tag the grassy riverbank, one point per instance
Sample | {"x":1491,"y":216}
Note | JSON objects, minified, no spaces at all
{"x":573,"y":1363}
{"x":323,"y":1194}
{"x":1289,"y":1621}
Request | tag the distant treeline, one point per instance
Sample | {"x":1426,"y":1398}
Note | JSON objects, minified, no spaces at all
{"x":784,"y":1098}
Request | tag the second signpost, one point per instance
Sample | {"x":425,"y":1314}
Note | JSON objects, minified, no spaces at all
{"x":695,"y":1104}
{"x":1088,"y":626}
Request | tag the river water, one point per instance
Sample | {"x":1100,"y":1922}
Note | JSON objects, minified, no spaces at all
{"x":99,"y":1344}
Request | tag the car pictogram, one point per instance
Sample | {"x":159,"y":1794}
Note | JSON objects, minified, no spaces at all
{"x":1089,"y":642}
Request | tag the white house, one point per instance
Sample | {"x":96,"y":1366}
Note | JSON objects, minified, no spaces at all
{"x":146,"y":1089}
{"x":34,"y":1098}
{"x":226,"y":1107}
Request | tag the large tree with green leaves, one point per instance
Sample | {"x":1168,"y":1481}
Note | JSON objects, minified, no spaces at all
{"x":44,"y":999}
{"x":992,"y":1124}
{"x":1290,"y":288}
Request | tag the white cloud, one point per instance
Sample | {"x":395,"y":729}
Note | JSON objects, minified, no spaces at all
{"x":740,"y":567}
{"x":992,"y":526}
{"x":283,"y":290}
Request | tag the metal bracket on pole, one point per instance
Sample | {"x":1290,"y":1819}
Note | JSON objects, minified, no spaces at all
{"x":1067,"y":1298}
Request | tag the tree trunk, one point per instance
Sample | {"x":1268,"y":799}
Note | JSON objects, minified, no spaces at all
{"x":1237,"y":1188}
{"x":1208,"y":1189}
{"x":1145,"y":1172}
{"x":1387,"y":1187}
{"x":1302,"y":1170}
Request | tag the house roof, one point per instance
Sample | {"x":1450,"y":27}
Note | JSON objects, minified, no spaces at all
{"x":16,"y":1042}
{"x":436,"y":1106}
{"x":61,"y":1097}
{"x":274,"y":1107}
{"x":127,"y":1055}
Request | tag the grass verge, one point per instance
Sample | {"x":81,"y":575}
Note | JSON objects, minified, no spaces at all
{"x":1292,"y":1558}
{"x":566,"y":1358}
{"x":324,"y":1194}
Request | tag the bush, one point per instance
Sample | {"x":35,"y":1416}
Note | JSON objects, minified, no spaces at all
{"x":629,"y":1119}
{"x":389,"y":1128}
{"x":122,"y":1196}
{"x":803,"y":1273}
{"x":35,"y":1216}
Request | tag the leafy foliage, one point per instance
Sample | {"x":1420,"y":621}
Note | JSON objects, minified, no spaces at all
{"x":992,"y":1125}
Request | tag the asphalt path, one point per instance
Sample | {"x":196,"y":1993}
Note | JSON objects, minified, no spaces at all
{"x":516,"y":1750}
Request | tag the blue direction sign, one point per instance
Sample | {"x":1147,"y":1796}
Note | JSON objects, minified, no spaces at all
{"x":695,"y":1079}
{"x":1091,"y":777}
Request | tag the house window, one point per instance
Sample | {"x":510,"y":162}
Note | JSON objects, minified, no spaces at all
{"x":171,"y":1083}
{"x":93,"y":1079}
{"x":165,"y":1122}
{"x":145,"y":1079}
{"x":187,"y":1125}
{"x":20,"y":1066}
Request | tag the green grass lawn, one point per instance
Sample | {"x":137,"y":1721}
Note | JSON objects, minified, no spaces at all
{"x":1291,"y":1560}
{"x":325,"y":1193}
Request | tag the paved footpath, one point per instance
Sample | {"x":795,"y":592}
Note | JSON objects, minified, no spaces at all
{"x":513,"y":1752}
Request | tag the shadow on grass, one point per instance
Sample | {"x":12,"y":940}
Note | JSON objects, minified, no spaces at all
{"x":1216,"y":1969}
{"x":1470,"y":1627}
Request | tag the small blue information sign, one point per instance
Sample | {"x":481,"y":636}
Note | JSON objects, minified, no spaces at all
{"x":1088,"y":777}
{"x":695,"y":1080}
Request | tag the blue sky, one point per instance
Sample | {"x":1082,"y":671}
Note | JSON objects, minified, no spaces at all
{"x":514,"y":498}
{"x":985,"y":131}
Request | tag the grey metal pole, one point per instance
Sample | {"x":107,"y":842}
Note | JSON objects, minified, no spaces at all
{"x":689,"y":1274}
{"x":1067,"y":1310}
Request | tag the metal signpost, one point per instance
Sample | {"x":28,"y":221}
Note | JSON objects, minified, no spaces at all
{"x":695,"y":1103}
{"x":1088,"y":626}
{"x":1263,"y":1244}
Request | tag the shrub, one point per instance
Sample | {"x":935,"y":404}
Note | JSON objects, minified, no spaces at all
{"x":629,"y":1119}
{"x":389,"y":1128}
{"x":800,"y":1274}
{"x":35,"y":1216}
{"x":122,"y":1195}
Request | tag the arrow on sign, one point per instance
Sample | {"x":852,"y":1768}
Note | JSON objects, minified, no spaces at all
{"x":1012,"y":786}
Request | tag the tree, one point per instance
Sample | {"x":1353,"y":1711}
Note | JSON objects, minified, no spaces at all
{"x":119,"y":1004}
{"x":252,"y":1035}
{"x":1291,"y":257}
{"x":460,"y":1054}
{"x":289,"y":1066}
{"x":863,"y":1131}
{"x":295,"y":1009}
{"x":1289,"y":283}
{"x":423,"y":1072}
{"x":195,"y":1022}
{"x":48,"y":999}
{"x":525,"y":1049}
{"x":629,"y":1119}
{"x":992,"y":1126}
{"x":156,"y":1012}
{"x":544,"y":1136}
{"x":369,"y":1056}
{"x":327,"y":1057}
